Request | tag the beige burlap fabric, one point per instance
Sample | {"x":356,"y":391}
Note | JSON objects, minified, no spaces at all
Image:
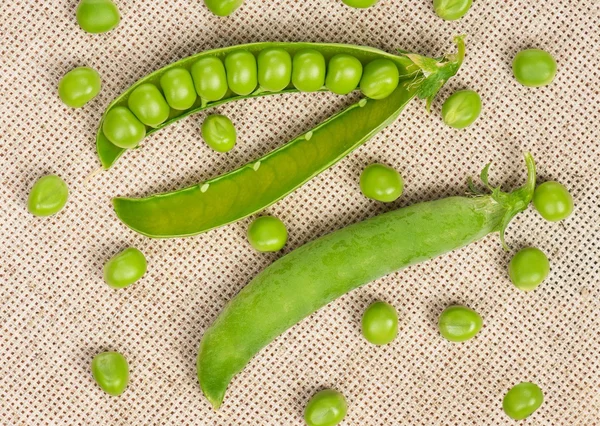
{"x":56,"y":312}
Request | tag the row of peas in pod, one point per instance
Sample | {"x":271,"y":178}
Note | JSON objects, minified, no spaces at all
{"x":241,"y":72}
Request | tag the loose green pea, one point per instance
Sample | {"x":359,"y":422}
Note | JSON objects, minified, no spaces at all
{"x":267,"y":234}
{"x":360,"y":4}
{"x":451,"y":10}
{"x":343,"y":74}
{"x":274,"y":69}
{"x":382,"y":183}
{"x":210,"y":79}
{"x":149,"y":105}
{"x":219,"y":133}
{"x":308,"y":70}
{"x":380,"y":323}
{"x":178,"y":86}
{"x":461,"y":109}
{"x":528,"y":268}
{"x":326,"y":408}
{"x":48,"y":196}
{"x":241,"y":72}
{"x":380,"y":78}
{"x":122,"y":128}
{"x":522,"y":400}
{"x":223,"y":7}
{"x":125,"y":268}
{"x":111,"y":372}
{"x":553,"y":201}
{"x":459,"y":323}
{"x":79,"y":86}
{"x":97,"y":16}
{"x":534,"y":68}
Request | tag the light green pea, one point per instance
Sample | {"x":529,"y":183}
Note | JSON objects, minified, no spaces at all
{"x":97,"y":16}
{"x":123,"y":128}
{"x":380,"y":78}
{"x":451,"y":10}
{"x":308,"y":70}
{"x":79,"y":86}
{"x":522,"y":400}
{"x":242,"y":72}
{"x":553,"y":201}
{"x":267,"y":234}
{"x":382,"y":183}
{"x":343,"y":74}
{"x":149,"y":105}
{"x":125,"y":268}
{"x":461,"y":109}
{"x":219,"y":133}
{"x":360,"y":4}
{"x":210,"y":78}
{"x":534,"y":68}
{"x":111,"y":372}
{"x":326,"y":408}
{"x":380,"y":323}
{"x":178,"y":87}
{"x":223,"y":7}
{"x":48,"y":196}
{"x":274,"y":69}
{"x":459,"y":323}
{"x":528,"y":268}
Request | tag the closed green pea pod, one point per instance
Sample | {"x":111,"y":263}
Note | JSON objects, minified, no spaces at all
{"x":274,"y":69}
{"x":178,"y":86}
{"x":308,"y":70}
{"x":149,"y":105}
{"x":380,"y":78}
{"x":122,"y":128}
{"x":241,"y":72}
{"x":343,"y":74}
{"x":210,"y":79}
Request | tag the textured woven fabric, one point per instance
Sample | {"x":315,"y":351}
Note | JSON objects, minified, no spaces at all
{"x":56,"y":312}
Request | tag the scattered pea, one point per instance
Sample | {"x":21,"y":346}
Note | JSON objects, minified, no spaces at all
{"x":111,"y":372}
{"x":219,"y":133}
{"x":326,"y":408}
{"x":274,"y":69}
{"x":343,"y":74}
{"x":451,"y":10}
{"x":267,"y":234}
{"x":97,"y":16}
{"x":178,"y":87}
{"x":553,"y":201}
{"x":308,"y":70}
{"x":461,"y":109}
{"x":223,"y":7}
{"x":380,"y":323}
{"x":382,"y":183}
{"x":534,"y":68}
{"x":242,"y":73}
{"x":360,"y":4}
{"x":125,"y":268}
{"x":123,"y":128}
{"x":48,"y":196}
{"x":380,"y":78}
{"x":528,"y":268}
{"x":522,"y":400}
{"x":79,"y":86}
{"x":459,"y":323}
{"x":149,"y":105}
{"x":210,"y":79}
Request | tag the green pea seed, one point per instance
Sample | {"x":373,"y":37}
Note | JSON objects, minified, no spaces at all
{"x":219,"y":133}
{"x":149,"y":105}
{"x":553,"y":201}
{"x":380,"y":78}
{"x":343,"y":74}
{"x":125,"y":268}
{"x":522,"y":400}
{"x":451,"y":10}
{"x":534,"y":68}
{"x":223,"y":7}
{"x":380,"y":323}
{"x":48,"y":196}
{"x":178,"y":87}
{"x":326,"y":408}
{"x":308,"y":70}
{"x":210,"y":79}
{"x":97,"y":16}
{"x":79,"y":86}
{"x":274,"y":69}
{"x":111,"y":372}
{"x":461,"y":109}
{"x":459,"y":323}
{"x":382,"y":183}
{"x":242,"y":72}
{"x":122,"y":128}
{"x":360,"y":4}
{"x":528,"y":268}
{"x":267,"y":234}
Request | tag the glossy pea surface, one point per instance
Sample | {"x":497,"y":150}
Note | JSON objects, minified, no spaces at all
{"x":522,"y":400}
{"x":528,"y":268}
{"x":451,"y":10}
{"x":553,"y":201}
{"x":326,"y":408}
{"x":380,"y":78}
{"x":267,"y":233}
{"x":382,"y":183}
{"x":534,"y":67}
{"x":122,"y":128}
{"x":149,"y":105}
{"x":48,"y":196}
{"x":308,"y":70}
{"x":125,"y":268}
{"x":219,"y":133}
{"x":223,"y":7}
{"x":242,"y":73}
{"x":274,"y":69}
{"x":461,"y":109}
{"x":79,"y":86}
{"x":359,"y":4}
{"x":210,"y":78}
{"x":459,"y":323}
{"x":343,"y":74}
{"x":380,"y":323}
{"x":111,"y":372}
{"x":97,"y":16}
{"x":178,"y":87}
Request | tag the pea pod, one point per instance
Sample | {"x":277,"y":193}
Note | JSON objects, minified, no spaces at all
{"x":319,"y":272}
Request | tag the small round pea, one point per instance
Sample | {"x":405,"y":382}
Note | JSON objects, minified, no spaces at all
{"x":459,"y":323}
{"x":210,"y":78}
{"x":534,"y":68}
{"x":343,"y":74}
{"x":123,"y":128}
{"x":242,"y":72}
{"x":178,"y":86}
{"x":359,"y":4}
{"x":308,"y":70}
{"x":553,"y":201}
{"x":48,"y":196}
{"x":380,"y":323}
{"x":223,"y":7}
{"x":528,"y":268}
{"x":326,"y":408}
{"x":125,"y":268}
{"x":79,"y":86}
{"x":382,"y":183}
{"x":522,"y":400}
{"x":380,"y":78}
{"x":451,"y":10}
{"x":267,"y":234}
{"x":219,"y":133}
{"x":461,"y":109}
{"x":149,"y":105}
{"x":97,"y":16}
{"x":274,"y":69}
{"x":111,"y":372}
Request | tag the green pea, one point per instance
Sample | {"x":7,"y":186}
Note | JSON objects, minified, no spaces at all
{"x":178,"y":86}
{"x":528,"y":268}
{"x":149,"y":105}
{"x":553,"y":201}
{"x":210,"y":78}
{"x":97,"y":16}
{"x":219,"y":133}
{"x":451,"y":10}
{"x":274,"y":69}
{"x":522,"y":400}
{"x":534,"y":68}
{"x":343,"y":74}
{"x":48,"y":196}
{"x":326,"y":408}
{"x":380,"y":78}
{"x":308,"y":70}
{"x":241,"y":72}
{"x":125,"y":268}
{"x":380,"y":323}
{"x":223,"y":7}
{"x":111,"y":372}
{"x":360,"y":4}
{"x":122,"y":128}
{"x":459,"y":323}
{"x":461,"y":109}
{"x":267,"y":234}
{"x":79,"y":86}
{"x":381,"y":183}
